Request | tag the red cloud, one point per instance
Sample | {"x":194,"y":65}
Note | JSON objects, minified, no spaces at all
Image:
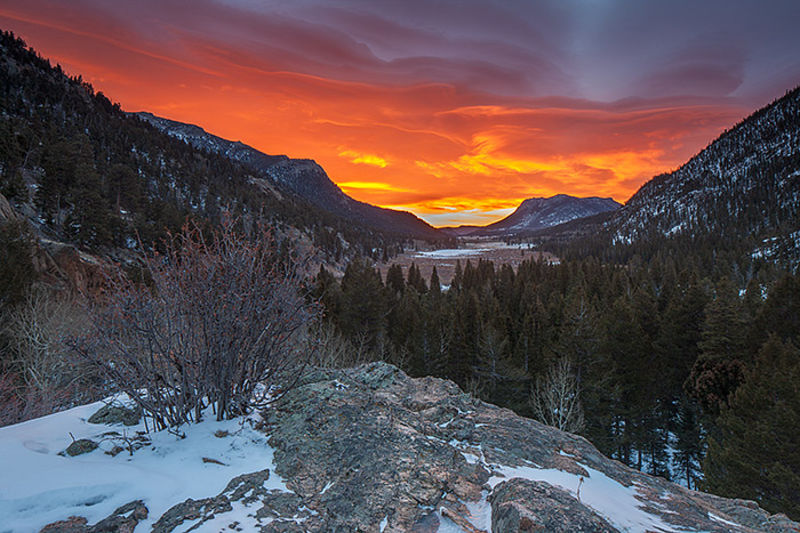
{"x":425,"y":133}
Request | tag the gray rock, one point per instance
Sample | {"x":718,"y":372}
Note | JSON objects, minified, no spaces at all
{"x":123,"y":520}
{"x":523,"y":506}
{"x":279,"y":511}
{"x":361,"y":444}
{"x":73,"y":524}
{"x":80,"y":447}
{"x":116,"y":414}
{"x":190,"y":509}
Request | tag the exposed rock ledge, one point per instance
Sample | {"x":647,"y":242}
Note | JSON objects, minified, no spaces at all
{"x":370,"y":449}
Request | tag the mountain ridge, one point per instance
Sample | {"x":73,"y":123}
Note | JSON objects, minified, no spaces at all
{"x":304,"y":177}
{"x":745,"y":185}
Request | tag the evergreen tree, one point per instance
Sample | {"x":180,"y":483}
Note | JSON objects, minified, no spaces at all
{"x":59,"y":162}
{"x":754,"y":453}
{"x":437,"y":334}
{"x":89,"y":222}
{"x":12,"y":186}
{"x":679,"y":335}
{"x":16,"y":262}
{"x":415,"y":280}
{"x":364,"y":303}
{"x":458,"y":275}
{"x":394,"y":280}
{"x":328,"y":291}
{"x":719,"y":368}
{"x":466,"y":330}
{"x":689,"y":445}
{"x":780,"y":314}
{"x":435,"y":284}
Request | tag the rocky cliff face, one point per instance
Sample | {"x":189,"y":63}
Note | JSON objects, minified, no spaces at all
{"x":370,"y":449}
{"x":59,"y":264}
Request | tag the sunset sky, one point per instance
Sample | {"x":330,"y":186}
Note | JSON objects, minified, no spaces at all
{"x":456,"y":110}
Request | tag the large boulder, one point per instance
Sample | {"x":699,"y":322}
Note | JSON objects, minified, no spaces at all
{"x":81,"y":446}
{"x":370,"y":448}
{"x":524,"y":506}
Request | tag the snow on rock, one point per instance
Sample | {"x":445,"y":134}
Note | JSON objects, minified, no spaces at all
{"x":38,"y":486}
{"x":607,"y":497}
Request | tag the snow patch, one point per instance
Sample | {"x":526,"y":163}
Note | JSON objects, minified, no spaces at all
{"x":448,"y":253}
{"x":39,"y":487}
{"x":721,"y":520}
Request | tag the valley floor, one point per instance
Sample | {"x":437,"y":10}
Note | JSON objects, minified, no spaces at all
{"x":473,"y":250}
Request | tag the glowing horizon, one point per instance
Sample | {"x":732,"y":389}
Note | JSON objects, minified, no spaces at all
{"x":456,"y":113}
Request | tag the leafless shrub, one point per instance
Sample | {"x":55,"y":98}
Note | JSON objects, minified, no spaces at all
{"x":555,"y":398}
{"x":218,"y":324}
{"x":333,"y":350}
{"x":19,"y":402}
{"x":39,"y":373}
{"x":11,"y":406}
{"x":38,"y":331}
{"x":475,"y":387}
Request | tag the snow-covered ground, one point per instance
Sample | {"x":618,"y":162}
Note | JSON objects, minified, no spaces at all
{"x":38,"y":486}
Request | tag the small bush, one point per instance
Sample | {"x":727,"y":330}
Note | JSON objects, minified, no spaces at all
{"x":218,"y":324}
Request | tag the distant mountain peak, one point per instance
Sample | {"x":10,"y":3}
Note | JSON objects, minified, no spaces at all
{"x":543,"y":212}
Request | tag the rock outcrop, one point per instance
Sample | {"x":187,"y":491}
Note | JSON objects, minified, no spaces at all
{"x":123,"y":520}
{"x":371,"y":450}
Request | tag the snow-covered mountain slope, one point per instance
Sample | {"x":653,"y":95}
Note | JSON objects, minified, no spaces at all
{"x":538,"y":213}
{"x":303,"y":177}
{"x":744,"y":185}
{"x":362,"y":449}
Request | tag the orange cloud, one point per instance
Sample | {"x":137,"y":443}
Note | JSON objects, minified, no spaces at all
{"x":371,"y":185}
{"x":363,"y":159}
{"x":449,"y":153}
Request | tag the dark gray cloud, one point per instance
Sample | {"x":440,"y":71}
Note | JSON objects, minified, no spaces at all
{"x":594,"y":49}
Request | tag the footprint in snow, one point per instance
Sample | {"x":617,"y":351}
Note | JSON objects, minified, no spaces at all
{"x":35,"y":446}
